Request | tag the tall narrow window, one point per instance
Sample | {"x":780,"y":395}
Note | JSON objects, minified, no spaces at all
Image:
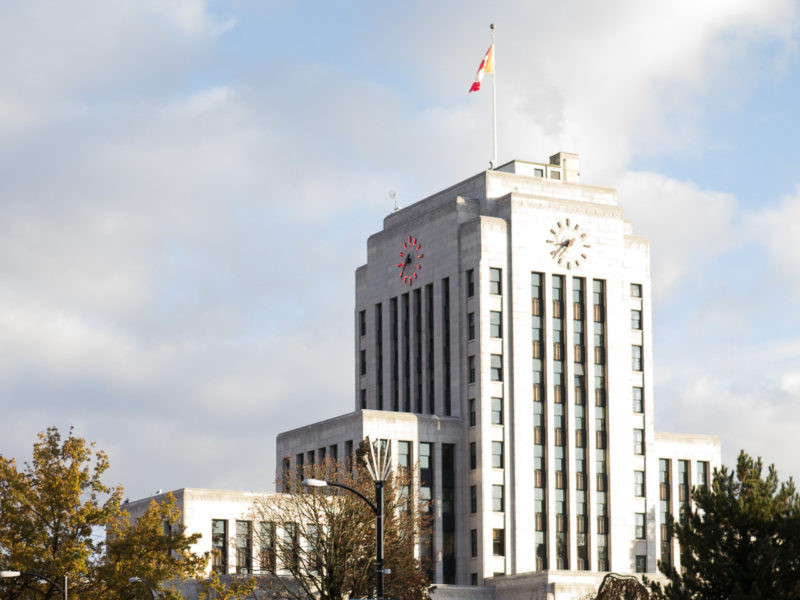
{"x":499,"y":542}
{"x":497,"y":411}
{"x":638,"y":484}
{"x":473,"y":543}
{"x":498,"y":498}
{"x":636,"y":319}
{"x":640,"y":526}
{"x":473,"y":499}
{"x":473,"y":456}
{"x":471,"y":326}
{"x":702,"y":473}
{"x":496,"y":369}
{"x":638,"y":400}
{"x":495,"y":281}
{"x":244,"y":552}
{"x":472,"y":416}
{"x":267,"y":554}
{"x":362,"y":323}
{"x":636,"y":357}
{"x":379,"y":356}
{"x":495,"y":324}
{"x":638,"y":441}
{"x":497,"y":455}
{"x":446,"y":345}
{"x":219,"y":545}
{"x":471,"y":373}
{"x":363,"y":363}
{"x":404,"y":454}
{"x":470,"y":283}
{"x":636,"y":290}
{"x":539,"y":436}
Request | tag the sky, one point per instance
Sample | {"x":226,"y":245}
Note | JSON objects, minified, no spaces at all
{"x":186,"y":189}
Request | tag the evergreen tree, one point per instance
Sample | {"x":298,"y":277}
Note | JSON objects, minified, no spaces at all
{"x":739,"y":541}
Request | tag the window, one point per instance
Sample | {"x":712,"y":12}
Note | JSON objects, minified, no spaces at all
{"x":219,"y":545}
{"x":291,"y":540}
{"x":473,"y":579}
{"x":267,"y":552}
{"x":363,"y":362}
{"x":363,"y":398}
{"x":473,"y":499}
{"x":639,"y":525}
{"x":636,"y":319}
{"x":638,"y":441}
{"x":473,"y":543}
{"x":636,"y":290}
{"x":636,"y":356}
{"x":495,"y":324}
{"x":470,"y":283}
{"x":471,"y":369}
{"x":497,"y":455}
{"x":473,"y":456}
{"x":495,"y":279}
{"x":538,"y":172}
{"x":496,"y":369}
{"x":499,"y":542}
{"x":702,"y":473}
{"x":362,"y":323}
{"x":404,"y":454}
{"x":497,"y":411}
{"x":641,"y":563}
{"x":638,"y":400}
{"x":425,"y":453}
{"x":555,"y":174}
{"x":638,"y":484}
{"x":244,"y":554}
{"x":472,"y":412}
{"x":498,"y":498}
{"x":471,"y":326}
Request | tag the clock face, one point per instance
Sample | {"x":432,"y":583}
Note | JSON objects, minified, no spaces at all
{"x":569,"y":245}
{"x":410,"y":260}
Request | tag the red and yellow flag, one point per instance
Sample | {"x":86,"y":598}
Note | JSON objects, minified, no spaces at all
{"x":486,"y":67}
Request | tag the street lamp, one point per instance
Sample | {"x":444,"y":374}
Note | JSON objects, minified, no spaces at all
{"x":60,"y":588}
{"x":147,"y":583}
{"x":379,"y":466}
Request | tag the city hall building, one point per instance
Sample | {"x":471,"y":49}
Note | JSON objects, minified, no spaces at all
{"x":503,"y":345}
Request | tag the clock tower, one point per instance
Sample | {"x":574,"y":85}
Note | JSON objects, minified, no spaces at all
{"x":503,"y":344}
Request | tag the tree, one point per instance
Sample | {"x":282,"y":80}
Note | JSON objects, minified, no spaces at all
{"x":53,"y":514}
{"x":322,"y":543}
{"x":155,"y":547}
{"x":48,"y":512}
{"x":740,"y":540}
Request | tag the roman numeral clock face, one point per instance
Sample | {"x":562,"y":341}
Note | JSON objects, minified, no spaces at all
{"x":569,"y":245}
{"x":410,"y":260}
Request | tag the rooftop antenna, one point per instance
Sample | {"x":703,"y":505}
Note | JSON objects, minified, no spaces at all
{"x":393,"y":196}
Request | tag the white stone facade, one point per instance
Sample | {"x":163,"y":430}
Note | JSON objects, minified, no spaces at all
{"x":200,"y":509}
{"x":461,"y":342}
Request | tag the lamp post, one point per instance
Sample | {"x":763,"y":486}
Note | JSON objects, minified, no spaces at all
{"x":147,"y":583}
{"x":379,"y":466}
{"x":61,"y":588}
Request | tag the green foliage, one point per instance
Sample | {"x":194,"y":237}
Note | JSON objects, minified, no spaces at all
{"x":53,"y":517}
{"x":740,"y":541}
{"x":155,"y":547}
{"x":48,"y":512}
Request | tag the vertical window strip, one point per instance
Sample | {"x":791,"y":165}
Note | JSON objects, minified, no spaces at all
{"x":539,"y":421}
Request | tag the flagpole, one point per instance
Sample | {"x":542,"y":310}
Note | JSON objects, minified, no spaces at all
{"x":494,"y":100}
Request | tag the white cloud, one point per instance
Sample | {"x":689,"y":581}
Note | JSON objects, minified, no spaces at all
{"x":687,"y":227}
{"x":179,"y":223}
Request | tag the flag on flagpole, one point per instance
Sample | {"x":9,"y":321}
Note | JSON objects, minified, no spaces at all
{"x":485,"y":67}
